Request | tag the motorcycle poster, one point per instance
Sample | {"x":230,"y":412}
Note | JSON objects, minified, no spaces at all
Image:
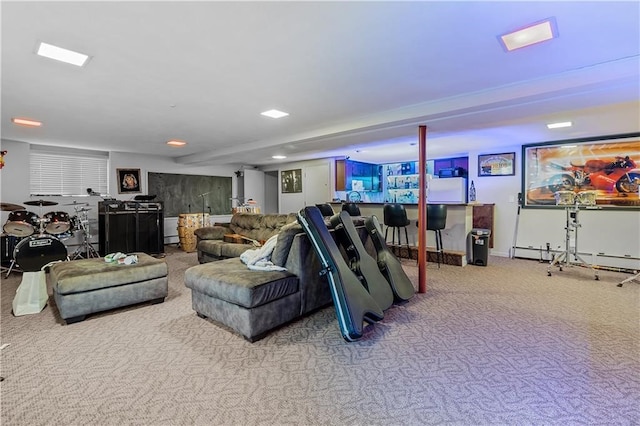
{"x":607,"y":167}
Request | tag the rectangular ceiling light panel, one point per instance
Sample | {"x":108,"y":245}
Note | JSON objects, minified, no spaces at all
{"x":559,"y":125}
{"x":64,"y":55}
{"x":26,"y":122}
{"x":535,"y":33}
{"x":274,"y":113}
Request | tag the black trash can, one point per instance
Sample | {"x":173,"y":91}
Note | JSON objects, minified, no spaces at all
{"x":479,"y":246}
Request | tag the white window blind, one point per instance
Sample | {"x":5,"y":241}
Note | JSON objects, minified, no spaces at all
{"x":67,"y":172}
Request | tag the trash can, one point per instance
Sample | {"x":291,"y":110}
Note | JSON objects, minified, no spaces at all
{"x":479,"y":246}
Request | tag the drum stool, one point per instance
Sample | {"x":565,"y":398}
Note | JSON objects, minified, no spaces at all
{"x":86,"y":286}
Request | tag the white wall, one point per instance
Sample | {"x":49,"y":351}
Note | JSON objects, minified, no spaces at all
{"x":312,"y":190}
{"x":614,"y":233}
{"x":14,"y":184}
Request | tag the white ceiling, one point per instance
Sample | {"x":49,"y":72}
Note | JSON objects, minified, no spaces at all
{"x":355,"y":76}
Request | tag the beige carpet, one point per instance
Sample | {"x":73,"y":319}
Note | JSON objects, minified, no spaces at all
{"x":496,"y":345}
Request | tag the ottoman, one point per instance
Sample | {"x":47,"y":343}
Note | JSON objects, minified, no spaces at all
{"x":82,"y":287}
{"x":249,"y":302}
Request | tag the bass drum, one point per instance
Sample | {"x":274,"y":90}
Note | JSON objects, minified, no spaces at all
{"x":32,"y":253}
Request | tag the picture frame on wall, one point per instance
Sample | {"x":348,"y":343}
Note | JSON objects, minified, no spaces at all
{"x":129,"y":181}
{"x":291,"y":181}
{"x":596,"y":172}
{"x":497,"y":164}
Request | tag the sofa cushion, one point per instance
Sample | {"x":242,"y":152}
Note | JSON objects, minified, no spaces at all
{"x":234,"y":249}
{"x":259,"y":227}
{"x":230,"y":280}
{"x":213,"y":247}
{"x":283,"y":245}
{"x":211,"y":232}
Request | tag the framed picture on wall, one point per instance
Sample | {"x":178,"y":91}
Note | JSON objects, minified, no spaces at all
{"x":291,"y":181}
{"x":497,"y":164}
{"x":599,"y":172}
{"x":129,"y":181}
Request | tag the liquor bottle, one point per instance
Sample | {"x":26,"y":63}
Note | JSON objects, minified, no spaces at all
{"x":472,"y":193}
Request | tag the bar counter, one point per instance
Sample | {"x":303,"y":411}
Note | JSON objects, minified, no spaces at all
{"x":460,"y":221}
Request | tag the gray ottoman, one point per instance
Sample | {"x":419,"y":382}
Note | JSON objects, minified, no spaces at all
{"x":86,"y":286}
{"x":250,"y":302}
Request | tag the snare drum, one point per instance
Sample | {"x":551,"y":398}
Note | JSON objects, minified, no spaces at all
{"x":564,"y":198}
{"x":57,"y":222}
{"x":586,"y":198}
{"x":21,"y":223}
{"x":32,"y":253}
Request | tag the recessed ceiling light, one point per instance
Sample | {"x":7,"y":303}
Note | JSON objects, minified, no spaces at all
{"x":279,"y":157}
{"x":26,"y":122}
{"x":64,"y":55}
{"x":532,"y":34}
{"x":274,"y":113}
{"x":175,"y":142}
{"x":559,"y":125}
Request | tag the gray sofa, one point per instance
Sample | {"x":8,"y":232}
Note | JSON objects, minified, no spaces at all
{"x":259,"y":227}
{"x":252,"y":303}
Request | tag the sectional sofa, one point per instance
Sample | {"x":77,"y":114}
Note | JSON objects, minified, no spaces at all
{"x":252,"y":303}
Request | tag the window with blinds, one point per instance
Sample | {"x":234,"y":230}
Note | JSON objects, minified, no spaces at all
{"x":67,"y":172}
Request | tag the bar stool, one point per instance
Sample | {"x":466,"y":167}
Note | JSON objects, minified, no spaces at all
{"x":325,"y":209}
{"x":395,"y":217}
{"x":352,"y":209}
{"x":436,"y":221}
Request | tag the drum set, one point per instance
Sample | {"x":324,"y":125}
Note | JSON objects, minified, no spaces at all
{"x":35,"y":240}
{"x":572,"y":202}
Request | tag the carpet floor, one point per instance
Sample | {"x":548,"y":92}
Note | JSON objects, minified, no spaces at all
{"x":498,"y":345}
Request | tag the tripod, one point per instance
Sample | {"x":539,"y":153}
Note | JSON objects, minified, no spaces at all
{"x":636,"y":277}
{"x":570,"y":256}
{"x":85,"y":249}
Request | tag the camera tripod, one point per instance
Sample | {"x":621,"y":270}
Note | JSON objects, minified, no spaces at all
{"x":570,"y":256}
{"x":85,"y":249}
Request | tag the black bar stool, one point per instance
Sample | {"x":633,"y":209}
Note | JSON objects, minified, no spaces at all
{"x":395,"y":217}
{"x":436,"y":221}
{"x":352,"y":209}
{"x":325,"y":209}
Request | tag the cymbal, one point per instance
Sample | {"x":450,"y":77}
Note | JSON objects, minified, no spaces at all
{"x":82,"y":209}
{"x":40,"y":203}
{"x":8,"y":207}
{"x":75,"y":203}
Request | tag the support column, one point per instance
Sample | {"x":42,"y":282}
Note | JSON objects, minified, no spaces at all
{"x":422,"y":209}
